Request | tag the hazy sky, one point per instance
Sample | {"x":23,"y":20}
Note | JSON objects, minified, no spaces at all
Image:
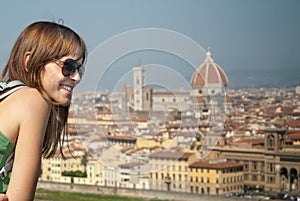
{"x":247,"y":37}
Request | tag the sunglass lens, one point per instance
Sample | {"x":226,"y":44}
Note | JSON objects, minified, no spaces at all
{"x":70,"y":67}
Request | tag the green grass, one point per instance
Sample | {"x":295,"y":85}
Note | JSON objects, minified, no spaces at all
{"x":67,"y":196}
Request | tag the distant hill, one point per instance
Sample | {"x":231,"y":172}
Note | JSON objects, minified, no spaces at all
{"x":288,"y":77}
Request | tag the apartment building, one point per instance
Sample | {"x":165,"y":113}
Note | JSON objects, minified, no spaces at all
{"x":134,"y":175}
{"x":272,"y":165}
{"x":169,"y":170}
{"x":53,"y":169}
{"x":216,"y":177}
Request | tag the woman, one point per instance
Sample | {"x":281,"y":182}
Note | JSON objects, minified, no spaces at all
{"x":49,"y":59}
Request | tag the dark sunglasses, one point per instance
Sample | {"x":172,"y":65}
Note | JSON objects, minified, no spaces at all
{"x":69,"y":67}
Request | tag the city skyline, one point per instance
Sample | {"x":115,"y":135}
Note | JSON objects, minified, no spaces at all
{"x":255,"y":42}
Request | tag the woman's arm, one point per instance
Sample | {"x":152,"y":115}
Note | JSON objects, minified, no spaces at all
{"x":33,"y":115}
{"x":3,"y":197}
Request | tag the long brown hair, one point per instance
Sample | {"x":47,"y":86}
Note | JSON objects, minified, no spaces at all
{"x":45,"y":41}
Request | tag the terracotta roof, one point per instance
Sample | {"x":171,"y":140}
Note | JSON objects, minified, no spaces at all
{"x":166,"y":93}
{"x":228,"y":99}
{"x":197,"y":79}
{"x":128,"y":90}
{"x":198,"y":100}
{"x":140,"y":118}
{"x":171,"y":155}
{"x":129,"y":165}
{"x":208,"y":73}
{"x":252,"y":141}
{"x":215,"y":165}
{"x":294,"y":136}
{"x":294,"y":123}
{"x":121,"y":137}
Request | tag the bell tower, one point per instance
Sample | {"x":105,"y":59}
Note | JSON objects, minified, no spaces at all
{"x":274,"y":139}
{"x":139,"y":79}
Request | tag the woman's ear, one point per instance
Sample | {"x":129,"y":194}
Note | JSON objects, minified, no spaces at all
{"x":26,"y":59}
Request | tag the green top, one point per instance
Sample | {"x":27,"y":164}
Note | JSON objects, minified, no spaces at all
{"x":6,"y":148}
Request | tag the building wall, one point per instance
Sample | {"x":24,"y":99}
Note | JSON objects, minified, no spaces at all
{"x":216,"y":181}
{"x":142,"y":142}
{"x":297,"y":90}
{"x":148,"y":99}
{"x":253,"y":164}
{"x":72,"y":164}
{"x":53,"y":168}
{"x":164,"y":100}
{"x":169,"y":174}
{"x":135,"y":177}
{"x":139,"y":80}
{"x":140,"y":193}
{"x":111,"y":177}
{"x":263,"y":169}
{"x":94,"y":172}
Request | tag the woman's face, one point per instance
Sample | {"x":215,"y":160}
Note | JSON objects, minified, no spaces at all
{"x":58,"y":86}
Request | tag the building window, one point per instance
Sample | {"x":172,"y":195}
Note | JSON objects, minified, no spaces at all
{"x":262,"y":177}
{"x":254,"y":165}
{"x":262,"y":164}
{"x":270,"y":180}
{"x":271,"y":167}
{"x":270,"y":142}
{"x":246,"y":166}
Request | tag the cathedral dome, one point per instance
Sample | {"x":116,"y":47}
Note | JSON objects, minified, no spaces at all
{"x":208,"y":74}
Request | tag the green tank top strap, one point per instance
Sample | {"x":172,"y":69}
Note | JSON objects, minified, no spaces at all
{"x":6,"y":146}
{"x":6,"y":150}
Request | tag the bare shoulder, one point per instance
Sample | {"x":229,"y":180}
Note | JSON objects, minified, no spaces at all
{"x":28,"y":96}
{"x":25,"y":107}
{"x":27,"y":100}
